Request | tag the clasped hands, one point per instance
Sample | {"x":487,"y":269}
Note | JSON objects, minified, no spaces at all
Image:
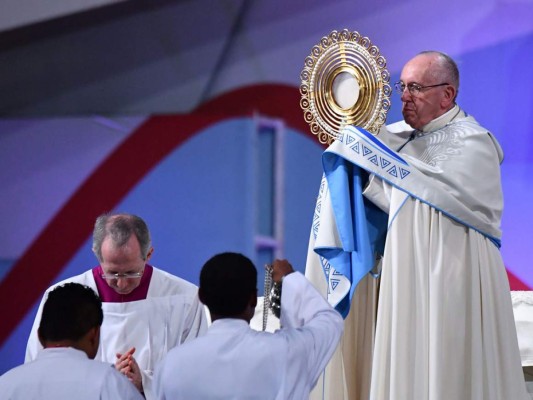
{"x":127,"y":365}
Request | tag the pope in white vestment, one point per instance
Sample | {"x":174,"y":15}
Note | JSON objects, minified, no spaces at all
{"x":63,"y":374}
{"x":444,"y":325}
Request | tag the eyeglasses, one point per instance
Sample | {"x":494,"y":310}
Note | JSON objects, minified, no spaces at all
{"x":414,"y":88}
{"x":127,"y":275}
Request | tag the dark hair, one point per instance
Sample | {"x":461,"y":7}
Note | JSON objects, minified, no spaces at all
{"x":69,"y":312}
{"x":120,"y":227}
{"x":227,"y":281}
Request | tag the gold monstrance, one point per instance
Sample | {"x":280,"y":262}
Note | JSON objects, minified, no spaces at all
{"x":344,"y":82}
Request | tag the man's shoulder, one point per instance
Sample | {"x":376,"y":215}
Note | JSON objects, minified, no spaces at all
{"x":77,"y":360}
{"x":400,"y":128}
{"x":67,"y":358}
{"x":165,"y":283}
{"x":395,"y":134}
{"x":12,"y":374}
{"x":85,"y":278}
{"x":470,"y":124}
{"x":469,"y":127}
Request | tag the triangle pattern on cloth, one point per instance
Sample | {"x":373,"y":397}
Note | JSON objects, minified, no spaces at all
{"x":404,"y":172}
{"x":325,"y":264}
{"x":393,"y":171}
{"x":349,"y":139}
{"x":384,"y":162}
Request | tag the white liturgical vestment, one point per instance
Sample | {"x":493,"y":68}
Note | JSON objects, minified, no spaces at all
{"x":234,"y":362}
{"x":170,"y":315}
{"x":445,"y":327}
{"x":65,"y":373}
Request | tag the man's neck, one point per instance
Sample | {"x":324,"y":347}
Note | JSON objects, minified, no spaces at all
{"x":215,"y":317}
{"x":442,"y":120}
{"x":109,"y":295}
{"x":59,"y":343}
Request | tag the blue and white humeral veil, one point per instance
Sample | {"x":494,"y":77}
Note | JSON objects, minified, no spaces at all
{"x":348,"y":231}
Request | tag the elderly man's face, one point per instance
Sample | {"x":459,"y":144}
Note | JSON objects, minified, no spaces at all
{"x":125,"y":261}
{"x":429,"y":103}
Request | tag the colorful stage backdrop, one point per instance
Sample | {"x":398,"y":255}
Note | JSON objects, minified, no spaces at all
{"x":205,"y":179}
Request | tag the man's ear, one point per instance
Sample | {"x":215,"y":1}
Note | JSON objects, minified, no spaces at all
{"x":94,"y":335}
{"x":253,"y":299}
{"x":449,"y":95}
{"x":201,"y":295}
{"x":92,"y":342}
{"x":41,"y":340}
{"x":149,"y":255}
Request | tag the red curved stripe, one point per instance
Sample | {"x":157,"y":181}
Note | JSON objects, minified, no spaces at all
{"x":66,"y":232}
{"x":516,"y":283}
{"x":61,"y":239}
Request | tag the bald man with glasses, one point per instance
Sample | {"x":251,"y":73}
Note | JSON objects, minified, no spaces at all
{"x":444,"y":327}
{"x":147,"y":310}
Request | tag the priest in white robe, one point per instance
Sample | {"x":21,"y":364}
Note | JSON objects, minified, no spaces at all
{"x":147,"y":311}
{"x":444,"y":327}
{"x":70,"y":332}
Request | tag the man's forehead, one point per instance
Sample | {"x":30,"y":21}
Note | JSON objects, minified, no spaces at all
{"x":110,"y":245}
{"x":119,"y":241}
{"x":417,"y":69}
